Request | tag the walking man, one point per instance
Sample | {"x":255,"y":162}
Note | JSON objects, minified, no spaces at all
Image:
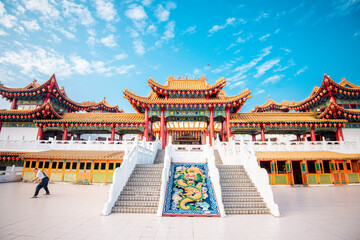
{"x":43,"y":184}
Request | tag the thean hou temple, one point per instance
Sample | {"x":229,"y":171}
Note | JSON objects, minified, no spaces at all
{"x":313,"y":141}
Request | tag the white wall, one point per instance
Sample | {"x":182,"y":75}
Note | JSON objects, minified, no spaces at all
{"x":18,"y":133}
{"x":350,"y":134}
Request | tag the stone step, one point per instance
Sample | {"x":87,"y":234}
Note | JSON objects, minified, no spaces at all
{"x":228,"y":205}
{"x":137,"y":203}
{"x":157,"y":183}
{"x":139,"y":193}
{"x":142,"y":188}
{"x":236,"y":184}
{"x":232,"y":173}
{"x":239,"y":194}
{"x":247,"y":211}
{"x":145,"y":179}
{"x":149,"y":171}
{"x":134,"y":210}
{"x":238,"y":189}
{"x":151,"y":167}
{"x":230,"y":167}
{"x":139,"y":198}
{"x":144,"y":175}
{"x":233,"y":177}
{"x":234,"y":180}
{"x":242,"y":199}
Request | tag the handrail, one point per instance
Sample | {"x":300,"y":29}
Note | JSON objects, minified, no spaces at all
{"x":141,"y":153}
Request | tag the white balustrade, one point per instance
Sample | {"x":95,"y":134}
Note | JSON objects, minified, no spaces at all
{"x":139,"y":154}
{"x":238,"y":153}
{"x":10,"y":175}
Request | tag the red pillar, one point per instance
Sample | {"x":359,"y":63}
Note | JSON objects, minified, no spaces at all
{"x":262,"y":133}
{"x":40,"y":134}
{"x":341,"y":133}
{"x":78,"y":136}
{"x":14,"y":104}
{"x":312,"y":134}
{"x":0,"y":125}
{"x":211,"y":126}
{"x":304,"y":137}
{"x":120,"y":137}
{"x":65,"y":134}
{"x":253,"y":137}
{"x":298,"y":138}
{"x":146,"y":128}
{"x":228,"y":131}
{"x":112,"y":137}
{"x":162,"y":128}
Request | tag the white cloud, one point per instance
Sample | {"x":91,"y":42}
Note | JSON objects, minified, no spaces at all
{"x":91,"y":41}
{"x":124,"y":69}
{"x":151,"y":29}
{"x":238,"y":83}
{"x":168,"y":34}
{"x":121,"y":56}
{"x":274,"y":79}
{"x":216,"y":28}
{"x":162,"y":14}
{"x":105,"y":10}
{"x":266,"y":66}
{"x":80,"y":65}
{"x":260,"y":92}
{"x":277,"y":31}
{"x":263,"y":38}
{"x":136,"y":12}
{"x":231,"y":46}
{"x":44,"y":7}
{"x":38,"y":60}
{"x":31,"y":25}
{"x":357,"y":34}
{"x":108,"y":41}
{"x":301,"y":70}
{"x":55,"y":38}
{"x":286,"y":50}
{"x":190,"y":30}
{"x":80,"y":11}
{"x":280,"y":68}
{"x":222,"y":68}
{"x":7,"y":20}
{"x":344,"y":7}
{"x":3,"y":33}
{"x":146,"y":2}
{"x":139,"y":47}
{"x":66,"y":33}
{"x":261,"y":16}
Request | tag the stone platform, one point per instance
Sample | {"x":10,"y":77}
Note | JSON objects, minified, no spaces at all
{"x":73,"y":212}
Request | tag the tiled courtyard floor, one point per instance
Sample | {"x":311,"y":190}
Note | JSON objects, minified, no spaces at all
{"x":73,"y":212}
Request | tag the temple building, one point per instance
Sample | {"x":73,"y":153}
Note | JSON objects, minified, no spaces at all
{"x":188,"y":110}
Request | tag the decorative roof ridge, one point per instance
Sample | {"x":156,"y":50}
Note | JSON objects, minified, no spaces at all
{"x":345,"y":82}
{"x":334,"y":109}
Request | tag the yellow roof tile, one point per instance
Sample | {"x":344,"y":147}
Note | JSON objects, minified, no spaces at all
{"x":81,"y":155}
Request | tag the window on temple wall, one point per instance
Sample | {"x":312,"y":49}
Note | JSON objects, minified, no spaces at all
{"x":281,"y":167}
{"x":88,"y":166}
{"x":111,"y":166}
{"x":355,"y":166}
{"x":33,"y":164}
{"x":82,"y":166}
{"x":117,"y":165}
{"x":27,"y":164}
{"x":354,"y":106}
{"x":103,"y":166}
{"x":53,"y":165}
{"x":348,"y":166}
{"x":74,"y":165}
{"x":326,"y":165}
{"x":96,"y":166}
{"x":46,"y":165}
{"x":346,"y":106}
{"x":311,"y":166}
{"x":67,"y":165}
{"x":60,"y":166}
{"x":265,"y":165}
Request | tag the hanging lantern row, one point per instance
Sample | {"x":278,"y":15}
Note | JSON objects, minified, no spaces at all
{"x":288,"y":125}
{"x":45,"y":125}
{"x":12,"y":158}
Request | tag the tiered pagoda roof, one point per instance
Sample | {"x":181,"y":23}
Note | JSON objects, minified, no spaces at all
{"x":185,"y":86}
{"x":328,"y":87}
{"x":192,"y":96}
{"x":335,"y":111}
{"x":51,"y":89}
{"x":102,"y":105}
{"x":271,"y":105}
{"x":44,"y":111}
{"x":96,"y":118}
{"x":282,"y":118}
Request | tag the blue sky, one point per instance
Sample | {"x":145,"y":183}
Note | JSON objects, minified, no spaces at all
{"x":98,"y":48}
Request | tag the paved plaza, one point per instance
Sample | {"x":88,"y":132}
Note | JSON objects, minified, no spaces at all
{"x":73,"y":212}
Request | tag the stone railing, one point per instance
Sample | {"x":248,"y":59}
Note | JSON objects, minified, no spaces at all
{"x":10,"y":175}
{"x":338,"y":146}
{"x":53,"y":144}
{"x":232,"y":154}
{"x":190,"y":154}
{"x":141,"y":153}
